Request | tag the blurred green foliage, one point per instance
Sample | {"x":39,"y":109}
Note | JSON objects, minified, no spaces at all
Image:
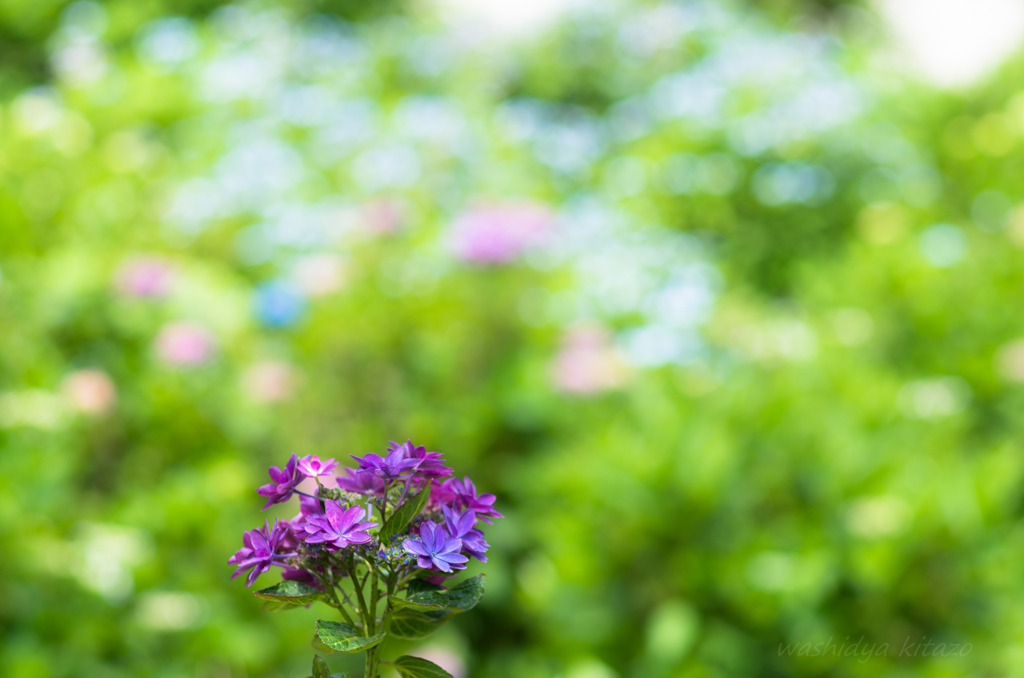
{"x":836,"y":456}
{"x":26,"y":26}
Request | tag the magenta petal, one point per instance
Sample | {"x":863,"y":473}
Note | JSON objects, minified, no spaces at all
{"x":267,"y":490}
{"x":319,"y":521}
{"x":240,"y":555}
{"x":334,"y":514}
{"x":319,"y":538}
{"x":249,"y":562}
{"x":353,"y":515}
{"x":256,"y":572}
{"x":260,"y":542}
{"x":310,"y":506}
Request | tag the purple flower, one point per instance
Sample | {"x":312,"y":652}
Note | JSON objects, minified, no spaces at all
{"x":467,"y":498}
{"x":263,"y":547}
{"x":361,"y":481}
{"x":290,"y":541}
{"x":441,"y":494}
{"x":295,"y":574}
{"x":308,"y":506}
{"x":284,"y":483}
{"x":431,"y":463}
{"x":312,"y":467}
{"x":390,"y":467}
{"x":463,"y":526}
{"x":435,"y":550}
{"x":338,"y":527}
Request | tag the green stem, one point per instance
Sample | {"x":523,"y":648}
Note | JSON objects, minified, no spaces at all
{"x":359,"y":596}
{"x":373,"y":661}
{"x":334,"y":594}
{"x":373,"y":656}
{"x":387,"y":607}
{"x":375,"y":599}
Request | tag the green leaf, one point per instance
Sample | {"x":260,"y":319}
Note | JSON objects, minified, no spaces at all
{"x":400,"y":519}
{"x":291,"y":593}
{"x":425,"y":602}
{"x":467,"y":594}
{"x":344,"y":638}
{"x":422,"y":595}
{"x":278,"y":606}
{"x":413,"y":624}
{"x":422,"y":585}
{"x":320,"y":646}
{"x":320,"y":668}
{"x":416,"y":667}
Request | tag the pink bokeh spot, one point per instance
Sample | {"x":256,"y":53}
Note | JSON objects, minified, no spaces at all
{"x":587,"y":363}
{"x":445,"y":658}
{"x":184,"y":344}
{"x":90,"y":391}
{"x":498,"y":233}
{"x":383,"y":216}
{"x":270,"y":381}
{"x":145,"y":277}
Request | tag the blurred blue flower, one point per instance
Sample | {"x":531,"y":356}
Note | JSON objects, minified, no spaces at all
{"x":278,"y":304}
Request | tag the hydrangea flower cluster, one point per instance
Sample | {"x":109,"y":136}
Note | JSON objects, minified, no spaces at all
{"x":394,"y":524}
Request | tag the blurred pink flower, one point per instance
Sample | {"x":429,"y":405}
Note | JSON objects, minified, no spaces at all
{"x":500,"y":232}
{"x":587,"y":363}
{"x":270,"y":381}
{"x":184,"y":344}
{"x":90,"y":391}
{"x":444,"y":657}
{"x":148,"y":277}
{"x":383,"y":216}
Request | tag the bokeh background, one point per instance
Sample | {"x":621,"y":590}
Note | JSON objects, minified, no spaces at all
{"x":721,"y":299}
